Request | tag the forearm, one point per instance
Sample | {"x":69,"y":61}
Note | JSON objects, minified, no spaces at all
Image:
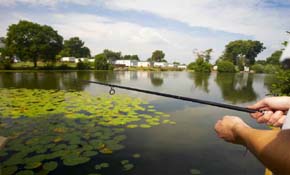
{"x":271,"y":147}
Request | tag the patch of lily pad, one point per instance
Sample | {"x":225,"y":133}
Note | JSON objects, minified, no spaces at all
{"x":72,"y":127}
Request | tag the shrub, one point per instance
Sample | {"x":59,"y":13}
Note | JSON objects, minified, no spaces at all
{"x":282,"y":83}
{"x":83,"y":65}
{"x":226,"y":66}
{"x":200,"y":66}
{"x":272,"y":69}
{"x":258,"y":68}
{"x":5,"y":64}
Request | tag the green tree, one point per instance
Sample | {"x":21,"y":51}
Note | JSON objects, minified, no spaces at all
{"x":202,"y":62}
{"x":274,"y":58}
{"x":226,"y":66}
{"x":33,"y":42}
{"x":74,"y":47}
{"x":242,"y":49}
{"x":158,"y":56}
{"x":111,"y":55}
{"x":101,"y":62}
{"x":131,"y":57}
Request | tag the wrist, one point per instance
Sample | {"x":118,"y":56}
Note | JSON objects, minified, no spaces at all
{"x":238,"y":130}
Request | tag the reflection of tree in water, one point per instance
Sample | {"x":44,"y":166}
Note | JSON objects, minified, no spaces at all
{"x":269,"y":81}
{"x":45,"y":80}
{"x":200,"y":80}
{"x":105,"y":76}
{"x":236,"y":88}
{"x":156,"y":79}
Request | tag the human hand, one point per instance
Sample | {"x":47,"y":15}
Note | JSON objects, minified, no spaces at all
{"x":226,"y":129}
{"x":275,"y":109}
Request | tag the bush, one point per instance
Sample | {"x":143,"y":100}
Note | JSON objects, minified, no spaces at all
{"x":83,"y":65}
{"x":5,"y":64}
{"x":272,"y":69}
{"x":63,"y":66}
{"x":200,"y":66}
{"x":101,"y":63}
{"x":226,"y":66}
{"x":258,"y":68}
{"x":282,"y":83}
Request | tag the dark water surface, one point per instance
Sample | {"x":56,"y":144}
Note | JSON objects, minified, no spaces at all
{"x":168,"y":149}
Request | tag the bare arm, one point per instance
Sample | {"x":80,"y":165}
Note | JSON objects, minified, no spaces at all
{"x":271,"y":147}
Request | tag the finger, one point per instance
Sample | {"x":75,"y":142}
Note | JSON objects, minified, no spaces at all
{"x":275,"y":117}
{"x":216,"y":126}
{"x":280,"y":122}
{"x":265,"y":118}
{"x":256,"y":115}
{"x":258,"y":105}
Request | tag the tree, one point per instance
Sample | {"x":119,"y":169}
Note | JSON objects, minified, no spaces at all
{"x":74,"y":47}
{"x":202,"y":62}
{"x":158,"y":56}
{"x":242,"y":49}
{"x":111,"y":55}
{"x":101,"y":62}
{"x":33,"y":42}
{"x":274,"y":58}
{"x":131,"y":57}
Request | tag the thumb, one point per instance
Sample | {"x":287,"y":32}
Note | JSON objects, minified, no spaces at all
{"x":260,"y":104}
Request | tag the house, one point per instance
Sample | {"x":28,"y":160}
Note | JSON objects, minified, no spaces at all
{"x":181,"y":66}
{"x":160,"y":64}
{"x":171,"y":65}
{"x":143,"y":64}
{"x":67,"y":59}
{"x":127,"y":63}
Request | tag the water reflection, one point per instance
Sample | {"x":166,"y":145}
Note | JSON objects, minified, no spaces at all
{"x":156,"y":79}
{"x":236,"y":88}
{"x":200,"y":80}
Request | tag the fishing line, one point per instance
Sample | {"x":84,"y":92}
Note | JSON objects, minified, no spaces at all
{"x":211,"y":103}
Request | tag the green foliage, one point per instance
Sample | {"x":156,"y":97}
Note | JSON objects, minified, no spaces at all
{"x":5,"y":63}
{"x":131,"y":57}
{"x":83,"y":65}
{"x":258,"y":68}
{"x":226,"y":66}
{"x":74,"y":47}
{"x":101,"y":62}
{"x":282,"y":84}
{"x":274,"y":58}
{"x":31,"y":41}
{"x":272,"y":69}
{"x":200,"y":66}
{"x":262,"y":62}
{"x":157,"y":56}
{"x":111,"y":55}
{"x":246,"y":49}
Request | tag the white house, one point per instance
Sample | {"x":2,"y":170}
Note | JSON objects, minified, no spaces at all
{"x":127,"y":63}
{"x":67,"y":59}
{"x":143,"y":64}
{"x":215,"y":68}
{"x":160,"y":64}
{"x":171,"y":65}
{"x":181,"y":66}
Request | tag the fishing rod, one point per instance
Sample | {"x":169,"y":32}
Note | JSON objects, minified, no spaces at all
{"x":211,"y":103}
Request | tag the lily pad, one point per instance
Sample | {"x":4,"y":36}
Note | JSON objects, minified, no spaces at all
{"x":75,"y":160}
{"x":25,"y":172}
{"x":50,"y":166}
{"x":195,"y":171}
{"x":9,"y":170}
{"x":33,"y":165}
{"x":101,"y":166}
{"x":136,"y":155}
{"x":128,"y":167}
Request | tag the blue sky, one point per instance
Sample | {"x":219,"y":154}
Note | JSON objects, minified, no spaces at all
{"x":141,"y":26}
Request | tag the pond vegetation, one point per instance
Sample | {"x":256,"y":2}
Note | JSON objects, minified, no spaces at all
{"x":48,"y":129}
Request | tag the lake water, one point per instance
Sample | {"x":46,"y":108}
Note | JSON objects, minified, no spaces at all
{"x":190,"y":144}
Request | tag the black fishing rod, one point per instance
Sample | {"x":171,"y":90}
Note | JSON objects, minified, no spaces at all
{"x":222,"y":105}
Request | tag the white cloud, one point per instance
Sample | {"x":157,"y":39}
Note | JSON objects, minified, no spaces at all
{"x":247,"y":17}
{"x":100,"y":33}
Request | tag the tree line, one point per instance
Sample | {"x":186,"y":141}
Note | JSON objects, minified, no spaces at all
{"x":34,"y":42}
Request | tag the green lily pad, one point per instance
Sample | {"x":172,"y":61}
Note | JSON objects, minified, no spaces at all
{"x":75,"y":160}
{"x":9,"y":170}
{"x":33,"y":165}
{"x":25,"y":172}
{"x":195,"y":171}
{"x":128,"y":167}
{"x":123,"y":162}
{"x":50,"y":166}
{"x":101,"y":166}
{"x":136,"y":155}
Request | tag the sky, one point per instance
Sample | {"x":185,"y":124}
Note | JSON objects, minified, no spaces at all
{"x":178,"y":27}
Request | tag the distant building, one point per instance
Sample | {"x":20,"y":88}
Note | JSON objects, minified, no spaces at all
{"x":181,"y":66}
{"x":160,"y":64}
{"x":127,"y":63}
{"x":246,"y":69}
{"x":215,"y":68}
{"x":67,"y":59}
{"x":171,"y":65}
{"x":143,"y":64}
